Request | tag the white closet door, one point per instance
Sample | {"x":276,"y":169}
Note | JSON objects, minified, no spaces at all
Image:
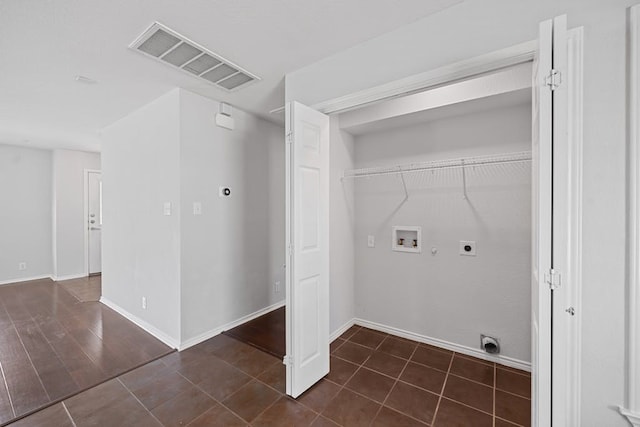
{"x":549,"y":139}
{"x":307,"y":288}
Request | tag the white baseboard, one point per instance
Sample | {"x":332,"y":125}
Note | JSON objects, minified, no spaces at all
{"x":67,"y":277}
{"x":341,"y":330}
{"x":171,"y":342}
{"x":216,"y":331}
{"x":469,"y":351}
{"x":632,"y":417}
{"x":24,"y":279}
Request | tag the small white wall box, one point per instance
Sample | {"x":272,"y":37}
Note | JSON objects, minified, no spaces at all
{"x":406,"y":238}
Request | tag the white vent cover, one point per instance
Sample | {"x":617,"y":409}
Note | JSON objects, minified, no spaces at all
{"x":170,"y":47}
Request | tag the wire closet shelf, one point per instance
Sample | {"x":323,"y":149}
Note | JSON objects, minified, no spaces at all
{"x":517,"y":157}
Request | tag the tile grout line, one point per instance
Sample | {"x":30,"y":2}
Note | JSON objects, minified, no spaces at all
{"x":137,"y":400}
{"x":495,"y":384}
{"x":6,"y":386}
{"x":395,"y":383}
{"x":31,"y":361}
{"x":66,"y":410}
{"x":444,"y":384}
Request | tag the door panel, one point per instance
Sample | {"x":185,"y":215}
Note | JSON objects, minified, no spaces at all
{"x":308,"y":239}
{"x":94,"y":222}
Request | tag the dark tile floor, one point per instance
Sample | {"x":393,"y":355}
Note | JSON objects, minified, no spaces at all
{"x":52,"y":345}
{"x":376,"y":379}
{"x":266,"y":332}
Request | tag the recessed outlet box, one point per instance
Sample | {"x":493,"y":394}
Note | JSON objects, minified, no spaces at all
{"x":406,"y":238}
{"x":224,"y":192}
{"x":467,"y":247}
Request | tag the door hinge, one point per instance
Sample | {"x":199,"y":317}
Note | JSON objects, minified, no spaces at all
{"x":287,"y":360}
{"x":289,"y":137}
{"x":554,"y":79}
{"x":553,"y":279}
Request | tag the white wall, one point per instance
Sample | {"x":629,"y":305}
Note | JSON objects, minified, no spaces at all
{"x":341,"y":232}
{"x":473,"y":28}
{"x":141,"y":245}
{"x":447,"y":296}
{"x":25,"y":216}
{"x":68,"y":209}
{"x":227,"y":270}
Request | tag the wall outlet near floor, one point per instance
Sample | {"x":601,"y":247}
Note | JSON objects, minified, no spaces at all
{"x":144,"y":303}
{"x":22,"y":266}
{"x":276,"y":287}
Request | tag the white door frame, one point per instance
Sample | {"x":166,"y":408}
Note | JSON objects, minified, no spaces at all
{"x":85,"y":216}
{"x":631,"y":408}
{"x":572,"y":279}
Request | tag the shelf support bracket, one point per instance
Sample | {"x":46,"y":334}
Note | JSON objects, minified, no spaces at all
{"x":404,"y":186}
{"x":464,"y":181}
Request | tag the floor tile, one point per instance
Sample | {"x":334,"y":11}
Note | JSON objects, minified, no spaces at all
{"x":323,"y":422}
{"x":433,"y":358}
{"x":388,"y":417}
{"x":223,"y":382}
{"x":349,"y":332}
{"x":350,"y":409}
{"x":470,"y":393}
{"x":341,"y":370}
{"x":472,"y":370}
{"x":335,"y":344}
{"x":454,"y":414}
{"x":368,"y":338}
{"x":504,"y":423}
{"x":142,"y":375}
{"x":183,"y":408}
{"x":386,"y":364}
{"x":373,"y":385}
{"x":513,"y":408}
{"x":275,"y":377}
{"x":52,"y":416}
{"x":251,"y":400}
{"x":232,"y":350}
{"x":513,"y":382}
{"x":415,"y":402}
{"x":202,"y":368}
{"x":424,"y":377}
{"x":355,"y":353}
{"x":285,"y":412}
{"x":255,"y":362}
{"x":161,"y":389}
{"x":218,"y":416}
{"x":398,"y":347}
{"x":319,"y":396}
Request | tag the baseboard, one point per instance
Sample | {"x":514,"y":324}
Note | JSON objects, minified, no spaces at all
{"x":67,"y":277}
{"x":171,"y":342}
{"x":632,"y":417}
{"x":24,"y":279}
{"x":216,"y":331}
{"x":341,"y":330}
{"x":502,"y":360}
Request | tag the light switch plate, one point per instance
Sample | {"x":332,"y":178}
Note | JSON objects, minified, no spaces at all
{"x":371,"y":241}
{"x":197,"y":208}
{"x":167,"y":208}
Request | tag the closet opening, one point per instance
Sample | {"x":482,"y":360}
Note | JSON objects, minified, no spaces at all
{"x":440,"y":188}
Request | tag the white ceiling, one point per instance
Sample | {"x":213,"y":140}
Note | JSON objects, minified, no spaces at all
{"x":45,"y":43}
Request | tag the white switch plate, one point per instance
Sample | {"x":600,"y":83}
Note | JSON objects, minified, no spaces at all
{"x":22,"y":266}
{"x":371,"y":241}
{"x":467,"y":247}
{"x":144,"y":303}
{"x":197,"y":208}
{"x":167,"y":208}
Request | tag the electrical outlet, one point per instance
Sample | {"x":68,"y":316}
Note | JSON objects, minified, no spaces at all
{"x":22,"y":266}
{"x":276,"y":287}
{"x":197,"y":208}
{"x":144,"y":303}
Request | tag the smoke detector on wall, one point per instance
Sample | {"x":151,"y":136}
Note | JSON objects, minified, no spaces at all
{"x":170,"y":47}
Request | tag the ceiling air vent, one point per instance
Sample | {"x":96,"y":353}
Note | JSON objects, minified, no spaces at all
{"x":170,"y":47}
